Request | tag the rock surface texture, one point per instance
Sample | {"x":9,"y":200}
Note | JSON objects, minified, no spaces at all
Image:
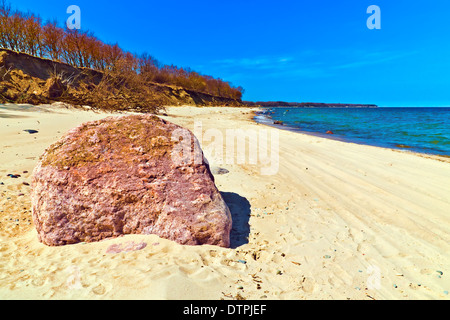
{"x":135,"y":174}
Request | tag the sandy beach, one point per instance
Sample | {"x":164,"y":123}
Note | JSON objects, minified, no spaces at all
{"x":336,"y":220}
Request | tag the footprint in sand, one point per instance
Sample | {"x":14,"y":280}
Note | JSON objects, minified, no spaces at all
{"x":188,"y":270}
{"x":164,"y":274}
{"x":308,"y":285}
{"x":356,"y":235}
{"x":38,"y":277}
{"x":363,"y":247}
{"x":38,"y":282}
{"x":99,"y":289}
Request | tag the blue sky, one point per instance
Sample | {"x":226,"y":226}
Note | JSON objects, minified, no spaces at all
{"x":314,"y":50}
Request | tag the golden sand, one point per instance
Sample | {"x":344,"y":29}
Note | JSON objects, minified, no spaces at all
{"x":337,"y":221}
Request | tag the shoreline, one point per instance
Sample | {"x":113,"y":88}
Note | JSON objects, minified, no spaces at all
{"x":337,"y":221}
{"x":269,"y":122}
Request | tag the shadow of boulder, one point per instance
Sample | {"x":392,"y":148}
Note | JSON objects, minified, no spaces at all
{"x":240,"y":213}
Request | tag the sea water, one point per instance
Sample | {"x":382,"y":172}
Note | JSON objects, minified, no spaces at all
{"x":424,"y":130}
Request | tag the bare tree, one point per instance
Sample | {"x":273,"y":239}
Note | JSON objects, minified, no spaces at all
{"x":52,"y":37}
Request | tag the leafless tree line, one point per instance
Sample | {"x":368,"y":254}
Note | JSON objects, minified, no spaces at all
{"x":27,"y":33}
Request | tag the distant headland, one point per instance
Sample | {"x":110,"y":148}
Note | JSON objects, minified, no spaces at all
{"x":283,"y":104}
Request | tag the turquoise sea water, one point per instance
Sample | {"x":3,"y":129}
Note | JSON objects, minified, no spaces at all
{"x":425,"y":130}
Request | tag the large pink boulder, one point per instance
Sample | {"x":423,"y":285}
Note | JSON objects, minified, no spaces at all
{"x":135,"y":174}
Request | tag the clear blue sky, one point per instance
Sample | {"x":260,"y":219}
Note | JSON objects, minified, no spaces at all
{"x":312,"y":50}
